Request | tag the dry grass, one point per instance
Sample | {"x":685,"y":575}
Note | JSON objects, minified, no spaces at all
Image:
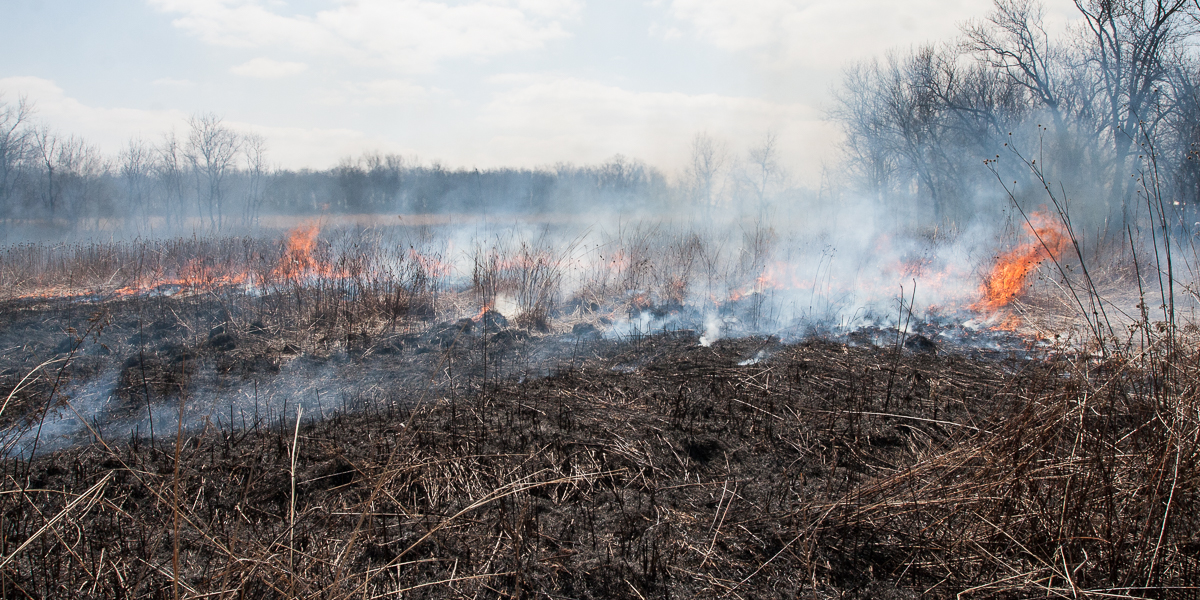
{"x":652,"y":468}
{"x":659,"y":469}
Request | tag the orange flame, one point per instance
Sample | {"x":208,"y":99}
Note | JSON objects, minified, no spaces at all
{"x":1007,"y":278}
{"x":432,"y":266}
{"x":642,"y":301}
{"x":482,"y":311}
{"x":298,"y":259}
{"x":194,"y":276}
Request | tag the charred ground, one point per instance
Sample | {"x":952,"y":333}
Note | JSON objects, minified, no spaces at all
{"x":478,"y":458}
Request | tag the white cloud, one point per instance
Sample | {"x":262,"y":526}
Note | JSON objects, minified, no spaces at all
{"x":377,"y":92}
{"x":542,"y":120}
{"x":108,"y":128}
{"x":320,"y":148}
{"x":411,"y":34}
{"x":111,"y":128}
{"x":529,"y":120}
{"x":266,"y":68}
{"x":168,"y":82}
{"x":829,"y":33}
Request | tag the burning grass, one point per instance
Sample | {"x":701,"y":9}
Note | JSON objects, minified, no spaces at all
{"x":342,"y":415}
{"x":1008,"y":277}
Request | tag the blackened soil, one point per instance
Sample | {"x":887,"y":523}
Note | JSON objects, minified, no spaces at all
{"x":651,"y":469}
{"x":114,"y":363}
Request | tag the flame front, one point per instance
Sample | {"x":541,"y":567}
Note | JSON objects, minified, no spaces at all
{"x":298,"y":259}
{"x":487,"y":306}
{"x":797,"y":285}
{"x":1008,"y":276}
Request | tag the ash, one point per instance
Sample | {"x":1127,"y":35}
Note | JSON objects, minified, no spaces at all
{"x":77,"y":371}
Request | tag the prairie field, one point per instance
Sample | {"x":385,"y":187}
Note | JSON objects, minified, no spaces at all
{"x":653,"y":411}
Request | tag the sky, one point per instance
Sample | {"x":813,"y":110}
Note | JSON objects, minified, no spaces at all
{"x":468,"y":83}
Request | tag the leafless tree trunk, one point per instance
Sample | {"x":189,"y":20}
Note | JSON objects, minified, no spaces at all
{"x":765,"y":171}
{"x":14,"y":151}
{"x":47,"y":145}
{"x":1129,"y":43}
{"x":169,"y":169}
{"x":81,"y":183}
{"x":708,"y":161}
{"x":136,"y":160}
{"x":1013,"y":40}
{"x":211,"y":151}
{"x":255,"y":148}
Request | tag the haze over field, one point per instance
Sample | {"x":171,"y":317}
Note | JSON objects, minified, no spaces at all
{"x":600,"y":298}
{"x":885,"y":143}
{"x":475,"y":83}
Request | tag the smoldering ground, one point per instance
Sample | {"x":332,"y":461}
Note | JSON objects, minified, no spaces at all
{"x":607,"y":382}
{"x":225,"y":327}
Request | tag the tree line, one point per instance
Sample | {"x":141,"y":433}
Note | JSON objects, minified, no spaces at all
{"x":212,"y":177}
{"x":1101,"y":111}
{"x":62,"y":182}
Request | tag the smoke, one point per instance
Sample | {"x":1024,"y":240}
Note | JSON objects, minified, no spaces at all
{"x":812,"y":268}
{"x":920,"y":231}
{"x":712,"y":330}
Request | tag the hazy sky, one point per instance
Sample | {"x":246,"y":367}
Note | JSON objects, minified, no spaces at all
{"x":473,"y":83}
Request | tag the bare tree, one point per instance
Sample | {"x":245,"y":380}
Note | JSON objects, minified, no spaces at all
{"x":46,"y":146}
{"x":70,"y":179}
{"x":84,"y":188}
{"x":902,"y":129}
{"x":1129,"y":43}
{"x":136,"y":160}
{"x":255,"y":148}
{"x":919,"y":124}
{"x":867,"y":146}
{"x":212,"y":153}
{"x":764,"y":171}
{"x":169,"y":169}
{"x":1013,"y":40}
{"x":14,"y":150}
{"x":702,"y":177}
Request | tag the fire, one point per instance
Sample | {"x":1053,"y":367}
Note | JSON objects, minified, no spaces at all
{"x":194,"y":276}
{"x":432,"y":266}
{"x":779,"y":275}
{"x":915,"y":266}
{"x":483,"y":311}
{"x":1008,"y":275}
{"x":676,"y":290}
{"x":298,"y":259}
{"x":641,"y":301}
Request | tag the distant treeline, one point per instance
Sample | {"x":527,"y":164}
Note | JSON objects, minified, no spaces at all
{"x":1107,"y":113}
{"x":224,"y":179}
{"x":1104,"y":116}
{"x":376,"y":183}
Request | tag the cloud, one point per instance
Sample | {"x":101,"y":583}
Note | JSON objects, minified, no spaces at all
{"x":527,"y":120}
{"x":377,"y":92}
{"x":108,"y":128}
{"x":545,"y":119}
{"x":823,"y":33}
{"x":409,"y":34}
{"x":320,"y":148}
{"x":168,"y":82}
{"x":111,"y":128}
{"x":266,"y":68}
